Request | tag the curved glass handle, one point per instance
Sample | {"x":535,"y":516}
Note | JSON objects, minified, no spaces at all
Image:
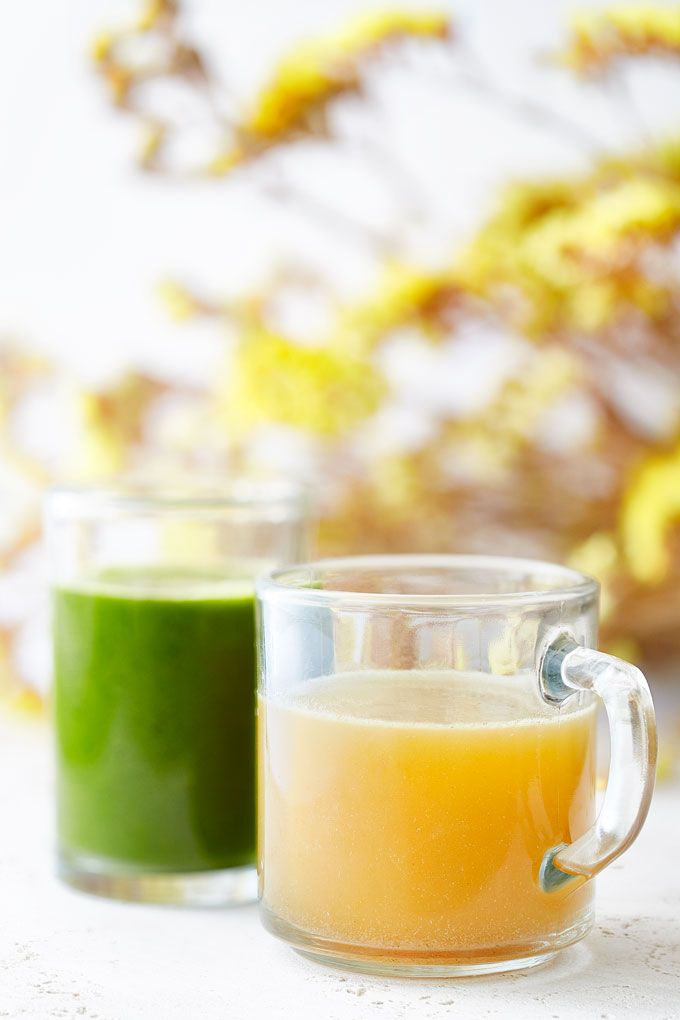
{"x":566,"y":668}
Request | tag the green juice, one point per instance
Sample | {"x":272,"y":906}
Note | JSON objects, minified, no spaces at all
{"x":155,"y":722}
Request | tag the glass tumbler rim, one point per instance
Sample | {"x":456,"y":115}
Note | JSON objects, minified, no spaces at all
{"x":261,"y":495}
{"x":299,"y":583}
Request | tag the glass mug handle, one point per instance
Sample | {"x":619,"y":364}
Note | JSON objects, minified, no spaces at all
{"x":565,"y":668}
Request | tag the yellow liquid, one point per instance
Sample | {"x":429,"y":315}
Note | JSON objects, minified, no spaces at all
{"x":409,"y":812}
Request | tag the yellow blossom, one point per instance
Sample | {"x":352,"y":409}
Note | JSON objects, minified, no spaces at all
{"x":565,"y":241}
{"x":110,"y":423}
{"x":523,"y":401}
{"x":179,"y":304}
{"x":153,"y":137}
{"x":403,"y":296}
{"x":564,"y":254}
{"x":599,"y":556}
{"x":101,"y":46}
{"x":318,"y":70}
{"x":316,"y":389}
{"x":153,"y":11}
{"x":225,"y":161}
{"x":598,"y":38}
{"x":650,"y":506}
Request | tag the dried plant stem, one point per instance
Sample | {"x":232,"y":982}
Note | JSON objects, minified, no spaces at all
{"x":619,"y":90}
{"x":392,"y":171}
{"x":474,"y":75}
{"x":328,"y":216}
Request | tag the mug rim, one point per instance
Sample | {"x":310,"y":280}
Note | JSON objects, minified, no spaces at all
{"x":298,"y":582}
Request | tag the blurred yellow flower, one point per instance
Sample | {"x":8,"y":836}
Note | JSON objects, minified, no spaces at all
{"x":177,"y":301}
{"x":151,"y":142}
{"x":153,"y":11}
{"x":651,"y":504}
{"x":524,"y":399}
{"x":319,"y":70}
{"x":599,"y":556}
{"x":598,"y":38}
{"x":110,"y":424}
{"x":316,"y":389}
{"x":569,"y":251}
{"x":403,"y":296}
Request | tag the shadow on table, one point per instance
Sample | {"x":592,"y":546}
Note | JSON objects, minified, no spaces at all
{"x":638,"y":951}
{"x":633,"y":968}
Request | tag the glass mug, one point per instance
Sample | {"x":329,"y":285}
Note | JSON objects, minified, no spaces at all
{"x":154,"y":683}
{"x":426,"y":742}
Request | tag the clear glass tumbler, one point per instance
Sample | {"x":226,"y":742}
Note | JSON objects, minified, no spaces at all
{"x":426,"y":757}
{"x":154,"y":683}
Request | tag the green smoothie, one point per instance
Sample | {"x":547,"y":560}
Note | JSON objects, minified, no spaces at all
{"x":155,"y":721}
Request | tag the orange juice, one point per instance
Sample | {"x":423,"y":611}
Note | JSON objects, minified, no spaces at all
{"x":408,"y":812}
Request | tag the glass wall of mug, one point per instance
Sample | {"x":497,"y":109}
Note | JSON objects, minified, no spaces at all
{"x":416,"y":779}
{"x":154,"y":682}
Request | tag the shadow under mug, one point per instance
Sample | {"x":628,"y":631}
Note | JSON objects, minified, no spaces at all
{"x":427,"y":757}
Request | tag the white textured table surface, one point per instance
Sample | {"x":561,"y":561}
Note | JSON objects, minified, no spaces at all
{"x":63,"y":954}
